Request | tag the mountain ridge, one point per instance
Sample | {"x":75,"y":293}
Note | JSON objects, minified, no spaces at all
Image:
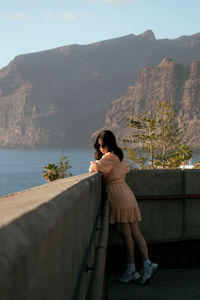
{"x":166,"y":81}
{"x":59,"y":97}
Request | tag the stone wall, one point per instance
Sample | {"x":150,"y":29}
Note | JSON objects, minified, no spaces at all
{"x":48,"y":234}
{"x":45,"y":239}
{"x":166,"y":220}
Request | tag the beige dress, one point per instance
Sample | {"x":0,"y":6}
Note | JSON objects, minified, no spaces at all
{"x":123,"y":204}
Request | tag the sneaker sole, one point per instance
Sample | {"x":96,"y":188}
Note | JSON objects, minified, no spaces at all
{"x":130,"y":281}
{"x":147,"y":280}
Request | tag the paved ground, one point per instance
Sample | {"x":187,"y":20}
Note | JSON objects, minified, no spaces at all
{"x":183,"y":284}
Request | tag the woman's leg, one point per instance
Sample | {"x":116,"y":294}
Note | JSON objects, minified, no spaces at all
{"x":148,"y":267}
{"x":124,"y":230}
{"x":140,"y":241}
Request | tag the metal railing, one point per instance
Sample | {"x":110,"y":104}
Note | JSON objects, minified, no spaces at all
{"x":168,"y":197}
{"x":96,"y":286}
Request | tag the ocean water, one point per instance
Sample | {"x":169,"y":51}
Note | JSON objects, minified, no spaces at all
{"x":21,"y":169}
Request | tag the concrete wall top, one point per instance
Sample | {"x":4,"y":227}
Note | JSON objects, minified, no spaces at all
{"x":164,"y":182}
{"x":192,"y":181}
{"x":45,"y":237}
{"x":13,"y":206}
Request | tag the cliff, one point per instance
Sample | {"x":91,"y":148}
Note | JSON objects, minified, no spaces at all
{"x":59,"y":97}
{"x":167,"y":81}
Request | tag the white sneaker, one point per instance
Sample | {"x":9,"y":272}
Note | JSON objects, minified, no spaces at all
{"x":126,"y":277}
{"x":148,"y":272}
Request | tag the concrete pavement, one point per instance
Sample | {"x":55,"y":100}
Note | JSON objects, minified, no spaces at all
{"x":183,"y":284}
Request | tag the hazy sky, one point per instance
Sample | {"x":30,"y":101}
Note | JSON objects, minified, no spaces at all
{"x":34,"y":25}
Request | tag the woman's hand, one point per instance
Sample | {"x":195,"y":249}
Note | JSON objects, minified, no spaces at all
{"x":93,"y":167}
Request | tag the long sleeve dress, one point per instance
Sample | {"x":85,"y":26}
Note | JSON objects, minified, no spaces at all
{"x":123,"y":204}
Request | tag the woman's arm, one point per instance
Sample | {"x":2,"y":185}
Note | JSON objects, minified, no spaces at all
{"x":104,"y":165}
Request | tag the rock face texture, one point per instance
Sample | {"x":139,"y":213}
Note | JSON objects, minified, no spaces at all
{"x":167,"y":81}
{"x":59,"y":97}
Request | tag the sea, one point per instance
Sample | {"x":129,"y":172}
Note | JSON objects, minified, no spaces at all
{"x":21,"y":169}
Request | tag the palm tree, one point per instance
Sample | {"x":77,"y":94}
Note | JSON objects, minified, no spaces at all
{"x":51,"y":172}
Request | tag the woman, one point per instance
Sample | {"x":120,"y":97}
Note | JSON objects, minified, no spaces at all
{"x":124,"y":210}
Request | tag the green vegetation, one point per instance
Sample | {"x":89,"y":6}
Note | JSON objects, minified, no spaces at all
{"x":53,"y":172}
{"x":197,"y":165}
{"x":157,"y":138}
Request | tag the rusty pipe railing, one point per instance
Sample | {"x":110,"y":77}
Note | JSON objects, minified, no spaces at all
{"x":96,"y":286}
{"x":168,"y":197}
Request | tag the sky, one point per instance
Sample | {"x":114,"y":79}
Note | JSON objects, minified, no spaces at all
{"x":28,"y":26}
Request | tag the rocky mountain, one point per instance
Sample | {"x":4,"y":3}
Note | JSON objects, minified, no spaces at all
{"x":167,"y":81}
{"x":59,"y":97}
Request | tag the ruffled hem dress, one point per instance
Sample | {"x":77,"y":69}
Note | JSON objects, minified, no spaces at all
{"x":123,"y":204}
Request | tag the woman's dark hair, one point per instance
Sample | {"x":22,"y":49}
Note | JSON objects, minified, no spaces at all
{"x":108,"y":140}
